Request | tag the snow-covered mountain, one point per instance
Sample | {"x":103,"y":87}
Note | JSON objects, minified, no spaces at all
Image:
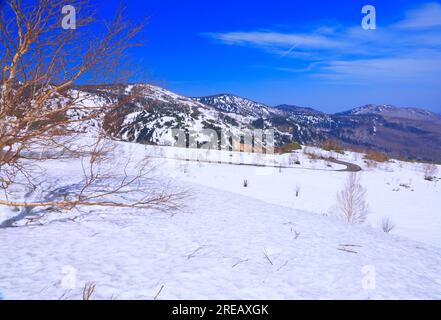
{"x":395,"y":112}
{"x":155,"y":112}
{"x":298,"y":110}
{"x":229,"y":103}
{"x":152,"y":113}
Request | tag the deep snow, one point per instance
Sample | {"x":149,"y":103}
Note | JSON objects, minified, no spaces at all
{"x":231,"y":242}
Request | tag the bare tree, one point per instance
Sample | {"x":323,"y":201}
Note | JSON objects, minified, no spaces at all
{"x":41,"y":108}
{"x":351,"y":201}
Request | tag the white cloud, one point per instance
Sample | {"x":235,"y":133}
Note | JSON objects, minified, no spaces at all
{"x":403,"y":68}
{"x":276,"y":39}
{"x":406,"y":51}
{"x":426,"y":16}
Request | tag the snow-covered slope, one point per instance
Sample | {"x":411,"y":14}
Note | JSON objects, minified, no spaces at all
{"x":395,"y":112}
{"x":153,"y":113}
{"x":157,"y":112}
{"x":298,"y":110}
{"x":396,"y":190}
{"x":234,"y":104}
{"x":222,"y":245}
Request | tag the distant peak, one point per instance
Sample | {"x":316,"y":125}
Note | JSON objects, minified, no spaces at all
{"x":230,"y":103}
{"x":298,"y":109}
{"x":387,"y":110}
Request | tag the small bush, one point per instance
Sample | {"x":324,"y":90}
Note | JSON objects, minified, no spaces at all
{"x":376,"y":156}
{"x":332,"y":145}
{"x":293,"y":159}
{"x":88,"y":290}
{"x":298,"y":191}
{"x":371,"y":164}
{"x":288,"y":148}
{"x":245,"y":183}
{"x":430,"y":171}
{"x":313,"y":156}
{"x":387,"y":225}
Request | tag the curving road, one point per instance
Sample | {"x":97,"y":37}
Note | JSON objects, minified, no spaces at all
{"x":350,"y":167}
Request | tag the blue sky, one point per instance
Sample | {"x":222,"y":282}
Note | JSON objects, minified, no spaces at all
{"x":308,"y":53}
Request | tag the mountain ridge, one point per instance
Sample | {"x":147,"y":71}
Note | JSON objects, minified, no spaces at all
{"x":394,"y":111}
{"x":408,"y":133}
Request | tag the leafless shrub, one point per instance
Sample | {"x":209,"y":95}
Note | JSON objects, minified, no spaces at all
{"x":405,"y":185}
{"x":371,"y":164}
{"x":298,"y":191}
{"x":40,"y":66}
{"x":376,"y":156}
{"x":332,"y":145}
{"x":430,"y":171}
{"x":387,"y":225}
{"x":245,"y":183}
{"x":351,"y":201}
{"x":313,"y":156}
{"x":293,"y":160}
{"x":88,"y":290}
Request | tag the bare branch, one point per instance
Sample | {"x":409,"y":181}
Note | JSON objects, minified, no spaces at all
{"x":42,"y":110}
